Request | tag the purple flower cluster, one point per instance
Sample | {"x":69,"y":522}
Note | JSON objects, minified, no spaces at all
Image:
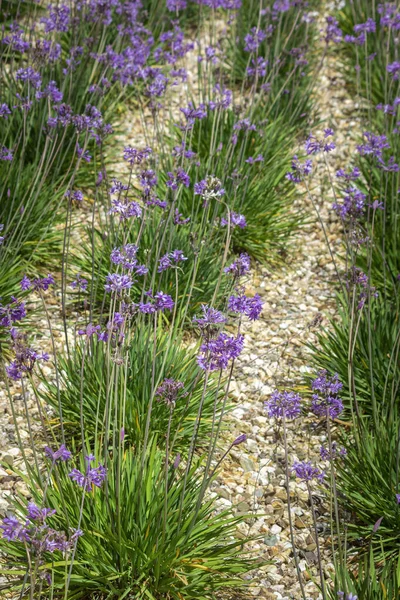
{"x":314,"y":145}
{"x":6,"y":153}
{"x":62,"y":453}
{"x":357,"y":278}
{"x":80,"y":283}
{"x":169,"y":391}
{"x":36,"y":533}
{"x":374,"y":145}
{"x":209,"y":189}
{"x":299,"y":170}
{"x":250,"y":307}
{"x":126,"y":258}
{"x":192,"y":114}
{"x":353,"y":206}
{"x":307,"y":472}
{"x":333,"y":33}
{"x":25,"y":357}
{"x":12,"y":312}
{"x":37,"y":284}
{"x":134,"y":156}
{"x":283,"y":404}
{"x":240,"y":266}
{"x":160,"y":302}
{"x":253,"y":39}
{"x":118,"y":283}
{"x":210,"y":318}
{"x":326,"y":454}
{"x":235,"y":219}
{"x":179,"y":177}
{"x":215,"y":354}
{"x":171,"y":259}
{"x":325,"y":400}
{"x":93,"y":476}
{"x":125,"y":209}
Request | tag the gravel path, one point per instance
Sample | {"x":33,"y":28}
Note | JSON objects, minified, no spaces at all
{"x":298,"y":299}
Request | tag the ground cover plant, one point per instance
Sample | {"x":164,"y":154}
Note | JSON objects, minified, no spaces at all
{"x":143,"y":239}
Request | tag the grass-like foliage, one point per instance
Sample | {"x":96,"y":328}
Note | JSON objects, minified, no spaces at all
{"x":171,"y":360}
{"x":145,"y":534}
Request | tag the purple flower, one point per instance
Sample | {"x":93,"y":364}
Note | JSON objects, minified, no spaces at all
{"x":374,"y":146}
{"x":326,"y":401}
{"x":12,"y":313}
{"x":398,"y":498}
{"x":239,"y":440}
{"x":25,"y":357}
{"x":90,"y":330}
{"x":368,"y":27}
{"x":15,"y":40}
{"x":251,"y":160}
{"x":244,"y":125}
{"x":51,"y":91}
{"x":83,"y":154}
{"x":118,"y":283}
{"x":178,"y":218}
{"x":258,"y":67}
{"x":80,"y":283}
{"x":163,"y":302}
{"x":169,"y":260}
{"x":253,"y":39}
{"x":93,"y":476}
{"x":126,"y":257}
{"x":240,"y":266}
{"x":37,"y":283}
{"x":314,"y":146}
{"x":14,"y":530}
{"x":351,"y":176}
{"x":236,"y":220}
{"x":326,"y":454}
{"x":222,"y":99}
{"x":251,"y":307}
{"x":58,"y":19}
{"x":210,"y":317}
{"x":4,"y":111}
{"x":333,"y":33}
{"x":191,"y":113}
{"x":356,"y":277}
{"x":353,"y":206}
{"x":306,"y":471}
{"x":148,"y":180}
{"x":76,"y":195}
{"x":299,"y":170}
{"x":283,"y":404}
{"x":180,"y":176}
{"x":38,"y":514}
{"x":281,"y":5}
{"x":29,"y":75}
{"x":134,"y":156}
{"x":394,"y":70}
{"x":215,"y":354}
{"x":169,"y":391}
{"x":61,"y":454}
{"x":125,"y":210}
{"x":176,"y":5}
{"x":6,"y":153}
